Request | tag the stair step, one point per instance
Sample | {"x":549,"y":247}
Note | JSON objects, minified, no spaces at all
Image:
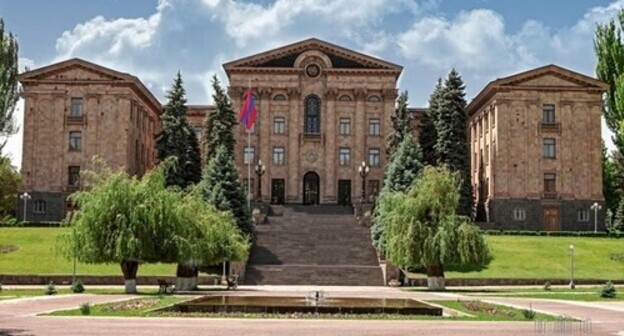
{"x":346,"y":275}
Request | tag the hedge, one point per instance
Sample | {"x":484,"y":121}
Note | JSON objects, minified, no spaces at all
{"x":600,"y":234}
{"x":12,"y":223}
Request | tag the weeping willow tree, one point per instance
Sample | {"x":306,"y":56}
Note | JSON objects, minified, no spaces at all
{"x":124,"y":220}
{"x":423,"y":228}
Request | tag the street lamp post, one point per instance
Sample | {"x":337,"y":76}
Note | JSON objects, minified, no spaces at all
{"x":596,"y":207}
{"x":260,"y":169}
{"x":572,"y":266}
{"x":363,"y":170}
{"x":25,"y":197}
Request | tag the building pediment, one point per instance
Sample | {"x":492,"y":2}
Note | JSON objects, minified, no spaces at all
{"x":74,"y":69}
{"x":286,"y":57}
{"x":79,"y":71}
{"x":550,"y":77}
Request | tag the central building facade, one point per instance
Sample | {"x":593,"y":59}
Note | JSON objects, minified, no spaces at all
{"x":322,"y":111}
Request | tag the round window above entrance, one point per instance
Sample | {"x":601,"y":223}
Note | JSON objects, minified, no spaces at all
{"x":313,"y":70}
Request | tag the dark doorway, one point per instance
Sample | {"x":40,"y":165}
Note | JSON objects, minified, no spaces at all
{"x":277,"y":191}
{"x":551,"y":219}
{"x":311,"y":194}
{"x":344,"y":192}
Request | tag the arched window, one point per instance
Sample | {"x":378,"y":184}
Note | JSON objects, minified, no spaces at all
{"x":344,"y":98}
{"x":279,"y":97}
{"x":374,"y":99}
{"x":312,"y":115}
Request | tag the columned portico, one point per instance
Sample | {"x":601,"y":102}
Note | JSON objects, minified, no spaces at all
{"x":323,"y":109}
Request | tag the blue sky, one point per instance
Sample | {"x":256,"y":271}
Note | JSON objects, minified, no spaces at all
{"x":153,"y":39}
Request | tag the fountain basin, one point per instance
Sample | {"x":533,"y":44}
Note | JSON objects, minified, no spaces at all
{"x":289,"y":305}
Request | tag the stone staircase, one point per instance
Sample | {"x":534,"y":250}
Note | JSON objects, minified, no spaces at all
{"x":313,"y":245}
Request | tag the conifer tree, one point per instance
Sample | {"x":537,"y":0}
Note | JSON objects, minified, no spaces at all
{"x":219,"y":125}
{"x":222,"y":188}
{"x":451,"y":146}
{"x":427,"y":131}
{"x":400,"y":125}
{"x":399,"y":176}
{"x":177,"y":139}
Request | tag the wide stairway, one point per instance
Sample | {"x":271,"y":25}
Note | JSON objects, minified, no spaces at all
{"x":313,"y":245}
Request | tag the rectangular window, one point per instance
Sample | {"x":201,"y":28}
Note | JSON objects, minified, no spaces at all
{"x":73,"y":175}
{"x":487,"y":154}
{"x":519,"y":214}
{"x":198,"y":132}
{"x":344,"y":156}
{"x":548,"y":114}
{"x":373,"y":187}
{"x":39,"y":207}
{"x":550,"y":182}
{"x":278,"y":155}
{"x":583,"y":215}
{"x":373,"y":157}
{"x":279,"y":125}
{"x":485,"y":122}
{"x":374,"y":126}
{"x":493,"y":116}
{"x":345,"y":126}
{"x":75,"y":141}
{"x":249,"y":155}
{"x":549,"y":148}
{"x":76,"y":107}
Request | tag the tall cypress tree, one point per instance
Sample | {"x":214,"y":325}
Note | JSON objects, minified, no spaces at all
{"x":219,"y":125}
{"x":428,"y":135}
{"x":222,"y":188}
{"x":452,"y":144}
{"x":399,"y":176}
{"x":177,"y":139}
{"x":400,"y":125}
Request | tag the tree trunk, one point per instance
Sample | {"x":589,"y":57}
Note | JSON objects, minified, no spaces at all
{"x":186,"y":277}
{"x":435,"y":277}
{"x":129,"y":269}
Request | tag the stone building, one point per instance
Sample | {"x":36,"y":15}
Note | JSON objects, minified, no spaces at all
{"x":535,"y":142}
{"x":323,"y":110}
{"x":75,"y":110}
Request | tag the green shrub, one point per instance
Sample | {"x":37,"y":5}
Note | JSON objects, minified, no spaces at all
{"x":528,"y":314}
{"x":77,"y":287}
{"x":85,"y":308}
{"x":608,"y":291}
{"x":547,"y":285}
{"x":50,"y":289}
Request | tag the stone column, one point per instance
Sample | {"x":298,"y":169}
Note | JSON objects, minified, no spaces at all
{"x":293,"y":124}
{"x":358,"y":152}
{"x":330,"y":146}
{"x":389,"y":99}
{"x":263,"y":127}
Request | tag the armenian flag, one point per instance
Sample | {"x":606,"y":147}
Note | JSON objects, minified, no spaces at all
{"x":248,"y":112}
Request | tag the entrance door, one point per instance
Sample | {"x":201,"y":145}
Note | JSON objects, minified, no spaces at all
{"x":551,"y":219}
{"x":311,"y":194}
{"x":344,"y":192}
{"x":277,"y":191}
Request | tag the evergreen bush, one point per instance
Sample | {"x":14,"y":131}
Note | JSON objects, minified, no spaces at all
{"x":78,"y":287}
{"x":608,"y":291}
{"x":85,"y":308}
{"x":50,"y":289}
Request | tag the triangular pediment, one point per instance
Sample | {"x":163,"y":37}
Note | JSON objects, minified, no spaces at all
{"x":74,"y":69}
{"x":550,"y":76}
{"x":285,"y":57}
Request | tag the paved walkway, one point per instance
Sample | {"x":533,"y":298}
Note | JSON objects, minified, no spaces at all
{"x":18,"y":318}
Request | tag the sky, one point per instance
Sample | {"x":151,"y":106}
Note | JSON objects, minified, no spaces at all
{"x":153,"y":39}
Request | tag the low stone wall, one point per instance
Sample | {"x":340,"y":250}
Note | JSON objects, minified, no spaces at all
{"x":10,"y":279}
{"x":459,"y":282}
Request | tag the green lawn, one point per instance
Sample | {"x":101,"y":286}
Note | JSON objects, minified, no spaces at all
{"x":548,"y":258}
{"x":37,"y":255}
{"x":514,"y":257}
{"x":582,"y":293}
